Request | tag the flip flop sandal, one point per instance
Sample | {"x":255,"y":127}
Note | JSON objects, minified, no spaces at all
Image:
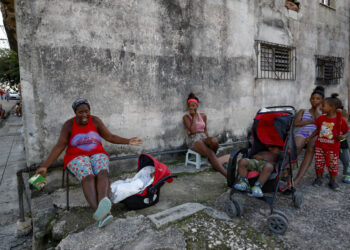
{"x":104,"y":207}
{"x":106,"y":221}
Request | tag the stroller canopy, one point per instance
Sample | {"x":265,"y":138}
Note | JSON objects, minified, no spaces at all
{"x":273,"y":126}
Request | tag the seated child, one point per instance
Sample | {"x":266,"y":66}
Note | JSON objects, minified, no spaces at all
{"x":262,"y":162}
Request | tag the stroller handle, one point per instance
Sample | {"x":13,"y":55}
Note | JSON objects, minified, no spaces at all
{"x":278,"y":107}
{"x":281,"y":106}
{"x":160,"y":183}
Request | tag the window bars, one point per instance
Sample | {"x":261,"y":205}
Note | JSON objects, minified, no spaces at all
{"x":329,"y":70}
{"x":275,"y":61}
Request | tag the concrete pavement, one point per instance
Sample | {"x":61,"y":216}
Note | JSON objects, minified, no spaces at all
{"x":12,"y":158}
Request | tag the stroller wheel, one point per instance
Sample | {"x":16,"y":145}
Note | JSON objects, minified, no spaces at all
{"x":297,"y":200}
{"x":234,"y":208}
{"x":281,"y":214}
{"x":277,"y":224}
{"x":231,"y":209}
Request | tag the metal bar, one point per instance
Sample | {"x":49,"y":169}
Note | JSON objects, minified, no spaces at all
{"x":63,"y":177}
{"x":67,"y":191}
{"x":20,"y":196}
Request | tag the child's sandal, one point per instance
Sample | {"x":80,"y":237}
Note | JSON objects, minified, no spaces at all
{"x":242,"y":186}
{"x":257,"y":192}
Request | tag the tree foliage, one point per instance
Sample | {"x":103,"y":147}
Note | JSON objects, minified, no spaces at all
{"x":9,"y":68}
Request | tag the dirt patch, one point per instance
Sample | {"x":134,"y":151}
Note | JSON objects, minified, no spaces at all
{"x":204,"y":232}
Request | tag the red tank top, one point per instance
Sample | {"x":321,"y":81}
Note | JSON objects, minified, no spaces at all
{"x":83,"y":141}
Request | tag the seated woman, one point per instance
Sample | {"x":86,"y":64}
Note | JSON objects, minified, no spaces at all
{"x":86,"y":158}
{"x":305,"y":119}
{"x":2,"y":112}
{"x":198,"y":140}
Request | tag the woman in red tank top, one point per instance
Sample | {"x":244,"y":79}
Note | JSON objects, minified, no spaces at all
{"x":198,"y":139}
{"x":86,"y":158}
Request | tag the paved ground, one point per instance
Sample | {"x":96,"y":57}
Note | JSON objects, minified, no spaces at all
{"x":12,"y":158}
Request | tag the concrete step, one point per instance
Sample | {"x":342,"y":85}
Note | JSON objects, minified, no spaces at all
{"x":175,"y":213}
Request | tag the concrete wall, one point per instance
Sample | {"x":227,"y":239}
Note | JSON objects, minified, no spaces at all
{"x":136,"y":61}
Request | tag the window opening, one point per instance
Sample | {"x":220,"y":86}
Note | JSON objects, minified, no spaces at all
{"x":329,"y":70}
{"x":275,"y":61}
{"x":328,"y":3}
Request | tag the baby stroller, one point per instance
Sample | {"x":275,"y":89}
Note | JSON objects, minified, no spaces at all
{"x":150,"y":195}
{"x":272,"y":126}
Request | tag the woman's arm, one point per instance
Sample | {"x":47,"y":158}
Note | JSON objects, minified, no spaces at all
{"x":308,"y":139}
{"x":108,"y":136}
{"x":298,"y":122}
{"x":57,"y":149}
{"x":204,"y":116}
{"x":191,"y":127}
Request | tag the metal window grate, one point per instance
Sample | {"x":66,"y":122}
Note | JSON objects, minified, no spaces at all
{"x":329,"y":70}
{"x":275,"y":61}
{"x":329,"y":3}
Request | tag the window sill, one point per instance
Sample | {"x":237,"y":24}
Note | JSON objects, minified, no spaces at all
{"x":329,"y":7}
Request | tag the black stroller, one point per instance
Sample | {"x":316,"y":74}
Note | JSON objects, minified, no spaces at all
{"x":272,"y":126}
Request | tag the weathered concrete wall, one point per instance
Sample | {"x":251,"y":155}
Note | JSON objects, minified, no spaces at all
{"x":136,"y":61}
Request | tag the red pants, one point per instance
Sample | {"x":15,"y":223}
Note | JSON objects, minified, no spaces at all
{"x":326,"y":158}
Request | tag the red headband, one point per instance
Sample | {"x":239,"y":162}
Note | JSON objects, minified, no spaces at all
{"x":192,"y":100}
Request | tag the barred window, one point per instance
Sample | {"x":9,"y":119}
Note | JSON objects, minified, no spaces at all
{"x":328,"y":3}
{"x":329,"y":70}
{"x":275,"y":61}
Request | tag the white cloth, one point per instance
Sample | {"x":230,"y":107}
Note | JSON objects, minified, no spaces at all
{"x":123,"y":189}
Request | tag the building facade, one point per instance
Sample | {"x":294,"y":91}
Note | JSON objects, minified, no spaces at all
{"x":137,"y":61}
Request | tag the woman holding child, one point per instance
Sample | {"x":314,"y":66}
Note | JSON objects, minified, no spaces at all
{"x":86,"y":158}
{"x":198,"y":139}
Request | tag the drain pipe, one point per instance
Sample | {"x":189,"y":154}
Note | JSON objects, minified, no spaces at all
{"x":21,"y":186}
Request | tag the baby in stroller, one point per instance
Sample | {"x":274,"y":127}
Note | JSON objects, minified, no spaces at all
{"x":262,"y":162}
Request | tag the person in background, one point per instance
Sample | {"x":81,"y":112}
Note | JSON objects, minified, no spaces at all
{"x":18,"y":109}
{"x":344,"y":154}
{"x":331,"y":129}
{"x":198,"y":139}
{"x":305,"y":121}
{"x":2,"y":112}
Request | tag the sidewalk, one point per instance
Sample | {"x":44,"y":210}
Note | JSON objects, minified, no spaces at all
{"x":12,"y":158}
